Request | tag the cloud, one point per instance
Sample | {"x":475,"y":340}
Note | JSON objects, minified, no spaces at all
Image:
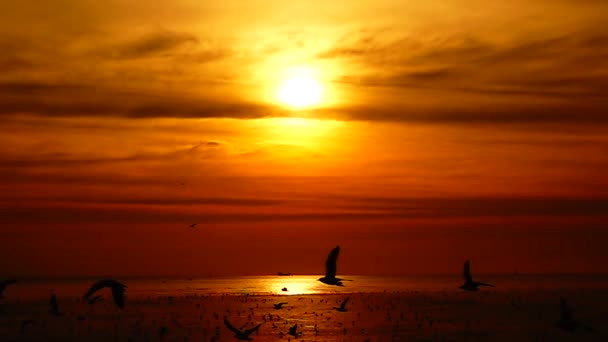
{"x":155,"y":43}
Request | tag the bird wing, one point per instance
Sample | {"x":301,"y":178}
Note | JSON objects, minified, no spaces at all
{"x":252,"y":330}
{"x":467,"y":272}
{"x":98,"y":286}
{"x":4,"y":284}
{"x":343,"y":305}
{"x":118,"y":293}
{"x":231,"y":327}
{"x":331,"y":263}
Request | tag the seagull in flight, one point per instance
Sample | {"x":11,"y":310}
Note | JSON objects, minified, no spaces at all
{"x":241,"y":334}
{"x":330,"y":269}
{"x":469,"y":284}
{"x":567,"y":321}
{"x":118,"y":291}
{"x":54,"y":306}
{"x":279,"y":306}
{"x":342,"y":307}
{"x":193,"y":225}
{"x":4,"y":284}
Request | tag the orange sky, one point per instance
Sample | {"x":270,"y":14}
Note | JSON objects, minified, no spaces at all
{"x":446,"y":130}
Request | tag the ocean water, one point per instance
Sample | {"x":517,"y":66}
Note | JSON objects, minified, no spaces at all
{"x":35,"y":289}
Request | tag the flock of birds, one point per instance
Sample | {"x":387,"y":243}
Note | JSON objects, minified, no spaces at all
{"x":566,"y":321}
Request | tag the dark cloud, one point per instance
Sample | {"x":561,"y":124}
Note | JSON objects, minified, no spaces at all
{"x":333,"y":209}
{"x":70,"y":100}
{"x":151,"y":44}
{"x":568,"y":65}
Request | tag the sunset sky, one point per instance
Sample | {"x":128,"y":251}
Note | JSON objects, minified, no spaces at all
{"x":414,"y":134}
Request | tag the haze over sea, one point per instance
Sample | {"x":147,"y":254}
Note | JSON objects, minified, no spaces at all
{"x":38,"y":288}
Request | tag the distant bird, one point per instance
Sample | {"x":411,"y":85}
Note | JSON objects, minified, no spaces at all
{"x":469,"y":284}
{"x":284,"y":289}
{"x":118,"y":290}
{"x":331,"y":268}
{"x":54,"y":306}
{"x":342,"y":307}
{"x":94,"y":299}
{"x":279,"y":306}
{"x":4,"y":284}
{"x":241,"y":334}
{"x":567,"y":321}
{"x":193,"y":225}
{"x":293,"y":331}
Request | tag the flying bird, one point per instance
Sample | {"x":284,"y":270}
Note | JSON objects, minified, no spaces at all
{"x":241,"y":334}
{"x":118,"y":291}
{"x":293,"y":331}
{"x":331,"y":268}
{"x":567,"y":321}
{"x":54,"y":306}
{"x":193,"y":225}
{"x":469,"y":284}
{"x":4,"y":284}
{"x":279,"y":306}
{"x":342,"y":307}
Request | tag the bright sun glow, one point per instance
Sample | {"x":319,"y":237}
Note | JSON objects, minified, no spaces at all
{"x":300,"y":89}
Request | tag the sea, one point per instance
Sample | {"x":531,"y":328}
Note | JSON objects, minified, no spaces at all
{"x":39,"y":288}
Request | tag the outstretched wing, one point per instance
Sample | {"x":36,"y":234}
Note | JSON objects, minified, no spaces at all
{"x":4,"y":284}
{"x":467,"y":272}
{"x":343,"y":305}
{"x":331,"y":263}
{"x":252,"y":330}
{"x":96,"y":287}
{"x":118,"y":293}
{"x":231,"y":327}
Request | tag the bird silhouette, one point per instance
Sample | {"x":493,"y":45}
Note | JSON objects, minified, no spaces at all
{"x":469,"y":284}
{"x":54,"y":306}
{"x":342,"y":307}
{"x":566,"y":320}
{"x":279,"y":306}
{"x":118,"y":290}
{"x":293,"y":331}
{"x":4,"y":284}
{"x":241,"y":334}
{"x":193,"y":225}
{"x":331,"y":268}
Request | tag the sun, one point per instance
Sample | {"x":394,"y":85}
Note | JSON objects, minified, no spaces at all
{"x":300,"y":89}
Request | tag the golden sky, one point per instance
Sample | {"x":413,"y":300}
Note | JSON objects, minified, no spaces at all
{"x":444,"y":130}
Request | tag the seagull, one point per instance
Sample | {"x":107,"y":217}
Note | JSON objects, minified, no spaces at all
{"x":567,"y":321}
{"x":342,"y":307}
{"x":293,"y":331}
{"x":94,"y":299}
{"x":193,"y":225}
{"x":54,"y":306}
{"x":330,"y":269}
{"x":4,"y":284}
{"x":118,"y":291}
{"x":279,"y":306}
{"x":284,"y":289}
{"x":241,"y":335}
{"x":469,"y":284}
